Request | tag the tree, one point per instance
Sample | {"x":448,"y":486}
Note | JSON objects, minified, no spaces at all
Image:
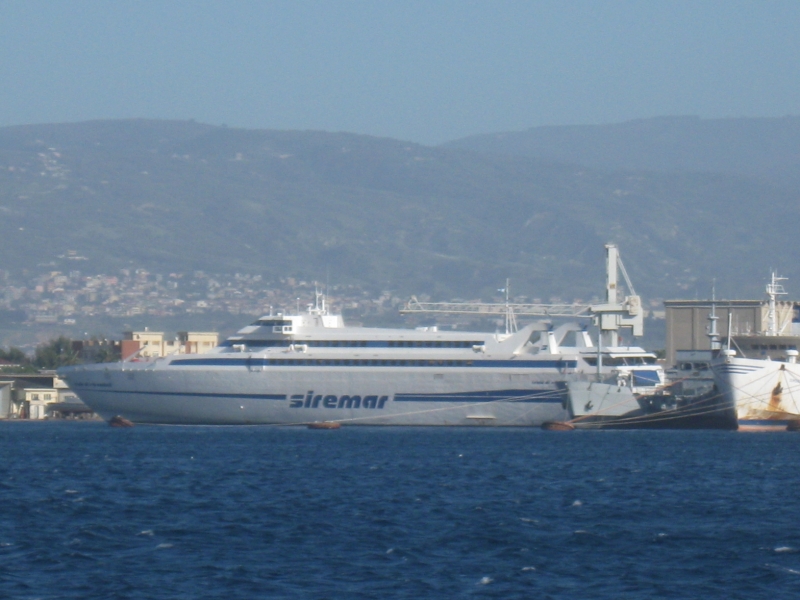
{"x":19,"y":362}
{"x":15,"y":355}
{"x":56,"y":353}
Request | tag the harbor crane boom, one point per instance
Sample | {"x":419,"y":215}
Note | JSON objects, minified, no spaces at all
{"x":609,"y":317}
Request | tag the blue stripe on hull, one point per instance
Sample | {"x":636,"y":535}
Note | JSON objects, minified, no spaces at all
{"x":489,"y":396}
{"x":185,"y":394}
{"x":764,"y":422}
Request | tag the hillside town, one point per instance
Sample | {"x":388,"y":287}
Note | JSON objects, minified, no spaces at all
{"x":77,"y":298}
{"x":66,"y":296}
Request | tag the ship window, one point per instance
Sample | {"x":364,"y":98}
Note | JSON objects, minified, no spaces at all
{"x":773,"y":347}
{"x":273,"y":323}
{"x":610,"y":361}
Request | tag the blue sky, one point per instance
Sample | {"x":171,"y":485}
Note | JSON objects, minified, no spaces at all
{"x":424,"y":71}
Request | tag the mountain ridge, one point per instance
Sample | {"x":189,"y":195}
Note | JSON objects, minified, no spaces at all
{"x":763,"y":148}
{"x":383,"y":213}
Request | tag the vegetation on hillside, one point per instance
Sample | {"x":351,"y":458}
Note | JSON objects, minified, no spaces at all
{"x":181,"y":196}
{"x":58,"y":352}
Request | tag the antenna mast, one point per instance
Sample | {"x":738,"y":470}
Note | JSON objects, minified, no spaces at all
{"x":774,"y":289}
{"x":713,"y":334}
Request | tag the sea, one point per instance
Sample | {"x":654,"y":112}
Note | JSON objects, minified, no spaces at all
{"x":90,"y":511}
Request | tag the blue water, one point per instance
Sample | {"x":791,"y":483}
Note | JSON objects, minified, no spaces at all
{"x":88,"y":511}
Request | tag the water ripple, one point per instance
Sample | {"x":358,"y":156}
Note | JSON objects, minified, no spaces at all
{"x":91,"y":511}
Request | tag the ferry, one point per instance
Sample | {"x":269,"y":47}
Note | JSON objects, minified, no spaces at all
{"x":311,"y":368}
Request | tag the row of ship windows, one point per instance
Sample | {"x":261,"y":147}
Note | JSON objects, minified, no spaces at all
{"x":273,"y":323}
{"x":357,"y":343}
{"x":300,"y":362}
{"x":619,"y":361}
{"x":773,"y":346}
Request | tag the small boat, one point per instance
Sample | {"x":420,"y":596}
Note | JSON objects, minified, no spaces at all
{"x":324,"y":425}
{"x":558,"y":426}
{"x":119,"y":421}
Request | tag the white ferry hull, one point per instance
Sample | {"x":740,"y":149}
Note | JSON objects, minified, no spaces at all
{"x":232,"y":396}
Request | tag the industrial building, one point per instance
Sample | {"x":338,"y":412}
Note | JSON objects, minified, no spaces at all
{"x":687,"y":323}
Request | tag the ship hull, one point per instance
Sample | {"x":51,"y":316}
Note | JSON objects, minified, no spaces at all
{"x":603,"y":406}
{"x":766,"y":393}
{"x":144,"y":393}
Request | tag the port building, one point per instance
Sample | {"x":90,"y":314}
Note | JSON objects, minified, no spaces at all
{"x":687,"y":323}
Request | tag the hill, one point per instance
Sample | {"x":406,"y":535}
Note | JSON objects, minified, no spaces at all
{"x":386,"y":214}
{"x":765,"y":149}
